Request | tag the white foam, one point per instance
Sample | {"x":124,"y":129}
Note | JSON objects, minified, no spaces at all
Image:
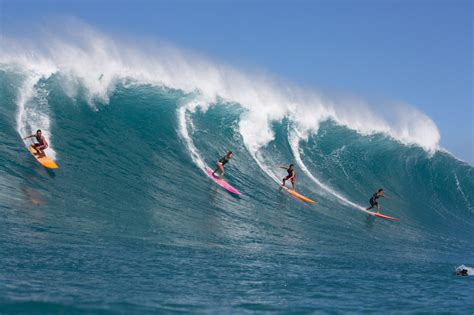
{"x":33,"y":111}
{"x":183,"y":131}
{"x":97,"y":62}
{"x":294,"y":140}
{"x":470,"y":271}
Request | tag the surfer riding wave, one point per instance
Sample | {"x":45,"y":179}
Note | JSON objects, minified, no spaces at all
{"x":41,"y":145}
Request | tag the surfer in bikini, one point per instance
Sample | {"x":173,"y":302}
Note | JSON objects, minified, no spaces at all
{"x":222,"y":161}
{"x":291,"y":175}
{"x":373,"y":200}
{"x":42,"y":143}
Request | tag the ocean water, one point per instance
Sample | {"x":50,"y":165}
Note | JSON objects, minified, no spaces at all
{"x":130,"y":223}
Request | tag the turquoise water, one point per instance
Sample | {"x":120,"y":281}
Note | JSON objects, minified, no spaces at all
{"x":129,"y":223}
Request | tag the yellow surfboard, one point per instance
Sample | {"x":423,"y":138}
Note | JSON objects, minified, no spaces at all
{"x":43,"y":160}
{"x":298,"y":195}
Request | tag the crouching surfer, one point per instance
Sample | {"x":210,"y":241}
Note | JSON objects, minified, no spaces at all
{"x":41,"y":145}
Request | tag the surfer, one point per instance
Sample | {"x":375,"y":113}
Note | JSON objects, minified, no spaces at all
{"x":373,"y":200}
{"x":463,"y":271}
{"x":42,"y":143}
{"x":222,"y":161}
{"x":291,"y":175}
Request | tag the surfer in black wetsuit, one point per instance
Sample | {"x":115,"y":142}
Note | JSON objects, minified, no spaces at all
{"x":373,"y":200}
{"x":291,"y":175}
{"x":41,"y":145}
{"x":222,"y":161}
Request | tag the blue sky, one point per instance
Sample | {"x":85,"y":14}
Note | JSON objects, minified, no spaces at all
{"x":418,"y":52}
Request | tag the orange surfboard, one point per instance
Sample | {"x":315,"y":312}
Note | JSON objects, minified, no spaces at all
{"x":43,"y":160}
{"x":383,"y":216}
{"x":298,"y":195}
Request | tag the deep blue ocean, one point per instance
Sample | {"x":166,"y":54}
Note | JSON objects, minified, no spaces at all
{"x":129,"y":223}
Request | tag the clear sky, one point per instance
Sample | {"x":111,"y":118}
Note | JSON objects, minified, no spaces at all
{"x":419,"y":52}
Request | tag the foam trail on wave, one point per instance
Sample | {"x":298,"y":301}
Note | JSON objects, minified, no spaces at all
{"x":183,"y":131}
{"x":458,"y":187}
{"x":264,"y":168}
{"x":294,"y":140}
{"x":183,"y":122}
{"x":32,"y":111}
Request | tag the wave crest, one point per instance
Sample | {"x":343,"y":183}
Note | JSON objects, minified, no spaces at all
{"x":97,"y":62}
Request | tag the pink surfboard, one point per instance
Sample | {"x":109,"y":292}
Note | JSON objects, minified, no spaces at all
{"x":222,"y":182}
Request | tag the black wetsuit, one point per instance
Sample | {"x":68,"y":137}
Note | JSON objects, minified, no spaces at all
{"x":373,"y":200}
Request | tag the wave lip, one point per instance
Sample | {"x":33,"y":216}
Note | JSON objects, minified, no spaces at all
{"x":98,"y":62}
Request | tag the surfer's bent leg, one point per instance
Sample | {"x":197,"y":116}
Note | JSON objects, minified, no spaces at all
{"x":37,"y":146}
{"x":372,"y":204}
{"x":40,"y":148}
{"x":222,"y":169}
{"x":217,"y":168}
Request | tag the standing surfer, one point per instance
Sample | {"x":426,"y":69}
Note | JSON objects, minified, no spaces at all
{"x":373,"y":200}
{"x":222,"y":161}
{"x":42,"y":143}
{"x":291,"y":175}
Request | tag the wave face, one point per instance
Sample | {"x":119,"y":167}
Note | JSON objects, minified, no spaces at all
{"x":130,"y":223}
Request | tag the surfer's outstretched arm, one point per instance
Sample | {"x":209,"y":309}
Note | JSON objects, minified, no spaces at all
{"x":27,"y":137}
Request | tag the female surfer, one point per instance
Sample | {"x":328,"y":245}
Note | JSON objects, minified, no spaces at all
{"x":291,"y":175}
{"x":222,"y":161}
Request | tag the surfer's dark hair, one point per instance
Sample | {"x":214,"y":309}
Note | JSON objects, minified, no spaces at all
{"x":39,"y":130}
{"x":381,"y":189}
{"x":291,"y":165}
{"x":230,"y":152}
